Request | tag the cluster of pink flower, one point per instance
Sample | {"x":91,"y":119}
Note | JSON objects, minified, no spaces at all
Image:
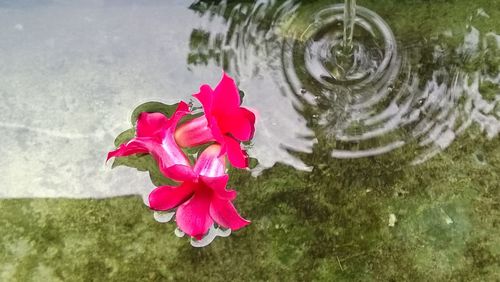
{"x":201,"y":198}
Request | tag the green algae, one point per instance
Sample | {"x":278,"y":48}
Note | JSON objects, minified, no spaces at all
{"x":331,"y":223}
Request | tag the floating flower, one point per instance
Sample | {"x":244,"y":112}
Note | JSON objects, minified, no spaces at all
{"x":155,"y":135}
{"x":224,"y":121}
{"x":203,"y":200}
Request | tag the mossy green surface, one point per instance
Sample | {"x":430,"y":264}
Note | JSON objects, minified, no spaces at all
{"x":328,"y":224}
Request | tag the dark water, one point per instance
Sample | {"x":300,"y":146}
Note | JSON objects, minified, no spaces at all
{"x":385,"y":172}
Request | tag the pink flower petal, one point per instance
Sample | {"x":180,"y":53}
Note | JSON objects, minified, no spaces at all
{"x":205,"y":98}
{"x":151,"y":125}
{"x":180,"y":112}
{"x":210,"y":162}
{"x":193,"y":217}
{"x":218,"y":185}
{"x":226,"y":96}
{"x":157,"y":124}
{"x":129,"y":149}
{"x":224,"y":213}
{"x":240,"y":123}
{"x":237,"y":156}
{"x":179,"y":172}
{"x":172,"y":162}
{"x":194,"y":132}
{"x":169,"y":152}
{"x":214,"y":127}
{"x":182,"y":107}
{"x":167,"y":197}
{"x":251,"y":117}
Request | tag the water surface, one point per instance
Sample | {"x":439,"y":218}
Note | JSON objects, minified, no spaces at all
{"x":393,"y":179}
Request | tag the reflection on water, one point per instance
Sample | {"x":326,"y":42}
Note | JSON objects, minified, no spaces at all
{"x":421,"y":94}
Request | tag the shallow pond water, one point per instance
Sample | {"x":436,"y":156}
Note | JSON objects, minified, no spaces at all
{"x":388,"y":172}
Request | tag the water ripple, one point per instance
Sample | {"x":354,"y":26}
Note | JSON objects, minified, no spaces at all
{"x":395,"y":92}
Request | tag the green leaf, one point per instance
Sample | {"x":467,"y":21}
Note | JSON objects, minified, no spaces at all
{"x":124,"y":137}
{"x":242,"y":95}
{"x":153,"y":107}
{"x":187,"y":118}
{"x":252,"y":162}
{"x":144,"y":162}
{"x":197,"y":150}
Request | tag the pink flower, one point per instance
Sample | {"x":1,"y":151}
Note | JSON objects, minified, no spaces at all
{"x":224,"y":122}
{"x":155,"y":135}
{"x":202,"y":201}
